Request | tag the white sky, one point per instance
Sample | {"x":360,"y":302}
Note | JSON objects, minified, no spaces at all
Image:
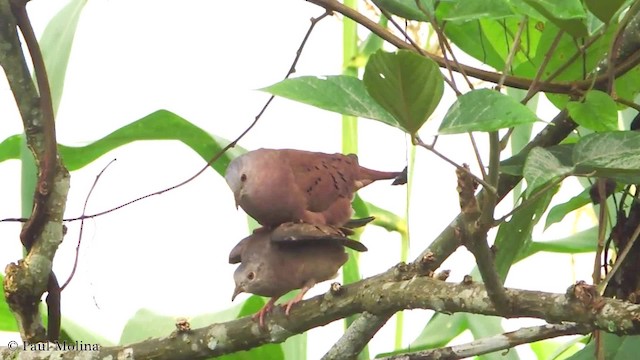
{"x":203,"y":60}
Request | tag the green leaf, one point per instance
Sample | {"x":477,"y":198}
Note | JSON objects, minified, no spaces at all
{"x":483,"y":326}
{"x":145,"y":324}
{"x":386,"y":219}
{"x":77,"y":332}
{"x":614,"y":155}
{"x":555,"y":350}
{"x":407,"y":85}
{"x":160,"y":125}
{"x":598,"y":112}
{"x":342,"y":94}
{"x":604,"y":10}
{"x":56,"y":43}
{"x":440,"y":330}
{"x":568,"y":15}
{"x":480,"y":9}
{"x":514,"y":236}
{"x":407,"y":9}
{"x":567,"y":47}
{"x":484,"y":110}
{"x":542,"y":167}
{"x":7,"y":320}
{"x":627,"y":86}
{"x":515,"y":164}
{"x":558,"y":212}
{"x":10,"y":148}
{"x":580,"y":242}
{"x":615,"y":348}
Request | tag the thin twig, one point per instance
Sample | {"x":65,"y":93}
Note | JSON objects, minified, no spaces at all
{"x":602,"y":228}
{"x":602,"y":285}
{"x":535,"y":84}
{"x":84,"y":208}
{"x":476,"y":151}
{"x":486,"y":185}
{"x":512,"y":52}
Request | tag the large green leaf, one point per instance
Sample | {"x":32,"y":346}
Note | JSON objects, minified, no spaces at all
{"x":604,"y":10}
{"x":598,"y":111}
{"x":145,"y":324}
{"x":341,"y":93}
{"x":615,"y":348}
{"x":558,"y":212}
{"x":77,"y":332}
{"x":56,"y":43}
{"x":7,"y":321}
{"x":439,"y":331}
{"x":568,"y":15}
{"x":480,"y":9}
{"x":407,"y":85}
{"x":580,"y":242}
{"x":614,"y":155}
{"x":160,"y":125}
{"x":484,"y":110}
{"x":555,"y":350}
{"x":482,"y":326}
{"x":514,"y":236}
{"x":566,"y":48}
{"x":515,"y":164}
{"x":407,"y":9}
{"x":542,"y":167}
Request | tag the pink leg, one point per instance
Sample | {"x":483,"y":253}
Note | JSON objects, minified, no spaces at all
{"x":298,"y":297}
{"x":265,"y":309}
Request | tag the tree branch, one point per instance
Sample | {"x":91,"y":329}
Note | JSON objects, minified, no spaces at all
{"x":26,"y":281}
{"x":632,"y":59}
{"x":397,"y":289}
{"x":496,"y":343}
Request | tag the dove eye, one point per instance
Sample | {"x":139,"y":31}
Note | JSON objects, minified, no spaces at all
{"x":251,"y":275}
{"x":243,"y":177}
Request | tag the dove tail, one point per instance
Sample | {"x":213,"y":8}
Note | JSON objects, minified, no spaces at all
{"x":401,"y":179}
{"x":367,"y":176}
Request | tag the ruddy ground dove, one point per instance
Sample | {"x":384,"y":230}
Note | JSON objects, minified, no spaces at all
{"x":275,"y":186}
{"x":291,"y":256}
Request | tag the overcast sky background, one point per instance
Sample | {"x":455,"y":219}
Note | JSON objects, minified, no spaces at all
{"x":204,"y":61}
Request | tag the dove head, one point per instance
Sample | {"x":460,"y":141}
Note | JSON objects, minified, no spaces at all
{"x":250,"y":278}
{"x":237,"y":174}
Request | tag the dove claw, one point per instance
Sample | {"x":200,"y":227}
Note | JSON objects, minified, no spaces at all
{"x":265,"y":309}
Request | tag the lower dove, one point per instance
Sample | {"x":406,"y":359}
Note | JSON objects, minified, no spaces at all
{"x":275,"y":186}
{"x":291,"y":256}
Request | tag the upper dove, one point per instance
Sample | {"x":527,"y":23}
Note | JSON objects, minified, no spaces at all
{"x":275,"y":186}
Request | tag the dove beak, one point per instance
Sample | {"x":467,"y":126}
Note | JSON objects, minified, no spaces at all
{"x":237,"y":196}
{"x":237,"y":291}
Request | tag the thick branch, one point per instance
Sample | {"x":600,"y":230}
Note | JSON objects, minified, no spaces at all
{"x":378,"y":295}
{"x":26,"y":281}
{"x":496,"y":343}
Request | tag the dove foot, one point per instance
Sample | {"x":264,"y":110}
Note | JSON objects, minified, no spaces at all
{"x":265,"y":309}
{"x":298,"y":297}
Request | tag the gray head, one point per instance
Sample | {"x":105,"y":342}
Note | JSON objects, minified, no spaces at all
{"x":236,"y":175}
{"x":250,"y":278}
